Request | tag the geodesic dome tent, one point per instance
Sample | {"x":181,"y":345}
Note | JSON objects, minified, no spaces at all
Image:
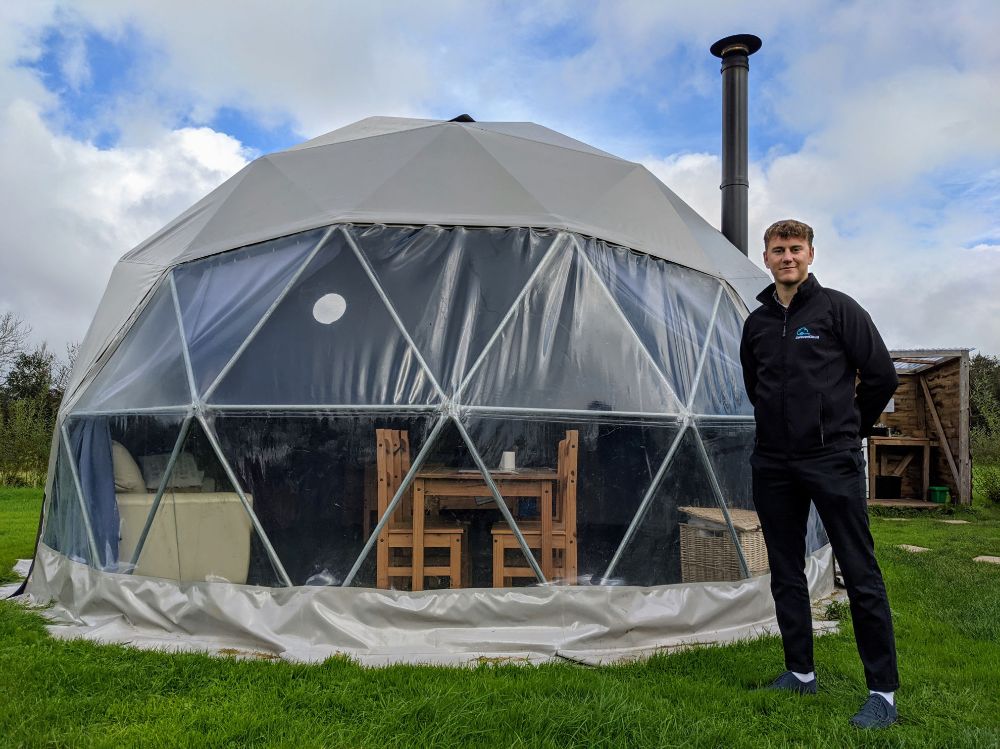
{"x":473,"y":289}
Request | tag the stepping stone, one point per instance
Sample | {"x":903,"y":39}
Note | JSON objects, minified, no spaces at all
{"x":988,"y":560}
{"x":913,"y":549}
{"x":954,"y":522}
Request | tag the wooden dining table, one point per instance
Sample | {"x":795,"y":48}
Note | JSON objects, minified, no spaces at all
{"x":458,"y":489}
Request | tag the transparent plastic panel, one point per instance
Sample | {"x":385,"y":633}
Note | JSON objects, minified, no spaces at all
{"x":567,"y":347}
{"x":329,"y":341}
{"x":314,"y":479}
{"x":222,"y":297}
{"x":147,"y":369}
{"x":683,"y":537}
{"x":594,"y":472}
{"x":816,"y":537}
{"x":201,"y":531}
{"x":669,"y":306}
{"x":65,"y":529}
{"x":451,"y":287}
{"x":729,"y":447}
{"x":120,"y":461}
{"x":721,"y":390}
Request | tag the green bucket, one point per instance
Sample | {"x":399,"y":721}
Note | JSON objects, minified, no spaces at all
{"x":938,"y":494}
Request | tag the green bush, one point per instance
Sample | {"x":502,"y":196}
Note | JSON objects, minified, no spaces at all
{"x":987,"y":479}
{"x":25,"y":436}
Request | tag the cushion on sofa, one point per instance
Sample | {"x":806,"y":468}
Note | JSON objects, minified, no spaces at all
{"x":185,"y":475}
{"x":128,"y":477}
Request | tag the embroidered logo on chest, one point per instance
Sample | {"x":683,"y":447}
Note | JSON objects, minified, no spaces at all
{"x":803,"y":334}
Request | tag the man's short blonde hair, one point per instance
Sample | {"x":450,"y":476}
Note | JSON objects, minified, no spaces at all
{"x":787,"y":229}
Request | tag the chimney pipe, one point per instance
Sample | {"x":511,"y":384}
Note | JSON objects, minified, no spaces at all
{"x":735,"y":52}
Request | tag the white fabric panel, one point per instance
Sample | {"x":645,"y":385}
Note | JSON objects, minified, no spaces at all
{"x":531,"y":131}
{"x":370,"y":127}
{"x":730,"y":263}
{"x":377,"y":627}
{"x":430,"y":174}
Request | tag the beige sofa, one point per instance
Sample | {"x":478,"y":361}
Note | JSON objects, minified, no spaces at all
{"x":197,"y":535}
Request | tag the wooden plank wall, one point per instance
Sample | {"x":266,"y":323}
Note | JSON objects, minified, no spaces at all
{"x":944,"y":383}
{"x":912,"y":419}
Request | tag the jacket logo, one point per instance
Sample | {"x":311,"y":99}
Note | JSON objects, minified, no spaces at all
{"x":803,"y":333}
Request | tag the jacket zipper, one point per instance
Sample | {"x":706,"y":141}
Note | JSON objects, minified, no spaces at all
{"x":784,"y":371}
{"x":822,"y":433}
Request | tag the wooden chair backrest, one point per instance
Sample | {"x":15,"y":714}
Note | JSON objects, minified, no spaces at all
{"x":392,"y":460}
{"x":566,"y":467}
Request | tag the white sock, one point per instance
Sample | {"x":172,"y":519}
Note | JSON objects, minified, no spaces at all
{"x":888,"y":695}
{"x":804,"y":677}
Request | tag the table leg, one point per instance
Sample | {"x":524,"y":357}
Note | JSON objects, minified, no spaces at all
{"x":926,"y":471}
{"x":418,"y":535}
{"x":546,"y":510}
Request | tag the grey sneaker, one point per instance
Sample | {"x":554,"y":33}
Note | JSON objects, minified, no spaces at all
{"x":789,"y":682}
{"x":875,"y":713}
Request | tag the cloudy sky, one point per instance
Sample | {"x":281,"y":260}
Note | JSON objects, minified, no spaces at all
{"x":877,"y":122}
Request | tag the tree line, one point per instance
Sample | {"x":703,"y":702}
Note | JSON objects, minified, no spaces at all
{"x":32,"y":383}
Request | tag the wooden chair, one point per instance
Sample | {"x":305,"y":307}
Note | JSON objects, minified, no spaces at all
{"x":564,"y":552}
{"x":392,"y":448}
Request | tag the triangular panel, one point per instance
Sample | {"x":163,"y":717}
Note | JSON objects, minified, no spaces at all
{"x":720,"y":389}
{"x":119,"y":461}
{"x":265,"y":199}
{"x":683,"y":536}
{"x":201,"y":531}
{"x":331,"y":340}
{"x":729,"y":446}
{"x":464,"y":175}
{"x":596,"y":471}
{"x":222,"y":297}
{"x":669,"y":307}
{"x":452,"y":287}
{"x":568,"y":347}
{"x":147,"y":369}
{"x":565,"y":181}
{"x":314,"y":484}
{"x":65,"y":529}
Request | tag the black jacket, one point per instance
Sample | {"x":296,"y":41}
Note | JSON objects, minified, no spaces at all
{"x":818,"y":373}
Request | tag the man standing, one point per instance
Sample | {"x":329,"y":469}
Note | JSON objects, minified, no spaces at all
{"x":818,"y":375}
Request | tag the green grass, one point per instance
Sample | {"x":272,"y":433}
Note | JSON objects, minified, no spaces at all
{"x":947,"y":617}
{"x":19,"y":510}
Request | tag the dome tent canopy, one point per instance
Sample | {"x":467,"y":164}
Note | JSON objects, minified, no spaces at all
{"x":470,"y":287}
{"x":407,"y":171}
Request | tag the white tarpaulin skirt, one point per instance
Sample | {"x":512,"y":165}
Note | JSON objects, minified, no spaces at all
{"x":589,"y":624}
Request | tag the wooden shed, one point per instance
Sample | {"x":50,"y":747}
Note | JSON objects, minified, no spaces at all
{"x":924,"y":440}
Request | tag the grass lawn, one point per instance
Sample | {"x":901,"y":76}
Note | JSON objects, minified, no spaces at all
{"x":19,"y":510}
{"x":947,"y":618}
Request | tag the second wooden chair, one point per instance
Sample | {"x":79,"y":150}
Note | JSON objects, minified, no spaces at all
{"x":564,"y":556}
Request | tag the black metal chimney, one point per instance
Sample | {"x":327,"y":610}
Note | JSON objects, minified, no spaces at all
{"x":735,"y":52}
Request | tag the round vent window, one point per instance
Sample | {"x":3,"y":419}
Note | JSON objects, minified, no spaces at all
{"x":329,"y":308}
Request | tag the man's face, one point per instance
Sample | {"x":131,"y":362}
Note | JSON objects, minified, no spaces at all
{"x":788,"y":259}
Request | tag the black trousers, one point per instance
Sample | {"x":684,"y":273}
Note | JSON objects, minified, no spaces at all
{"x":835,"y":483}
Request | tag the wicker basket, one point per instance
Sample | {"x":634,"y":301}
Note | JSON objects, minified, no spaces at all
{"x":707,"y":551}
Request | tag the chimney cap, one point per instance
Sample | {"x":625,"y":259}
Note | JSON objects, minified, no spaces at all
{"x":737,"y":43}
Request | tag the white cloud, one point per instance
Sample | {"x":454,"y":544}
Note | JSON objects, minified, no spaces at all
{"x":72,"y":210}
{"x":881,"y":120}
